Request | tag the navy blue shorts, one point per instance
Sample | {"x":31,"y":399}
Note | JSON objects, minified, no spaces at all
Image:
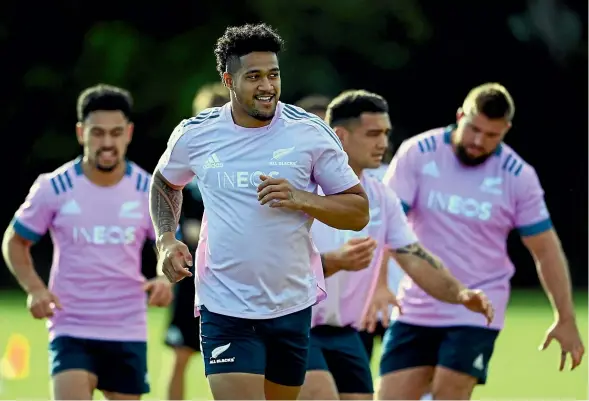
{"x":340,"y":351}
{"x":121,"y":366}
{"x":466,"y":349}
{"x":276,"y":348}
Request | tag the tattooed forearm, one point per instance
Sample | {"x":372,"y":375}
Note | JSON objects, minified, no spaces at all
{"x":438,"y":282}
{"x":417,"y":250}
{"x":165,"y":204}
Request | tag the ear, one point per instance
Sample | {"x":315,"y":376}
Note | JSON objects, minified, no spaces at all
{"x":131,"y":128}
{"x":80,"y":133}
{"x":342,"y":134}
{"x":459,"y":114}
{"x":228,"y":80}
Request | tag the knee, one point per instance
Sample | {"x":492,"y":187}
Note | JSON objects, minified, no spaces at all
{"x":319,"y":385}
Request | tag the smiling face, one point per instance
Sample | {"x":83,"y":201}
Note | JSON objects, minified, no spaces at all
{"x":256,"y":85}
{"x":365,"y":139}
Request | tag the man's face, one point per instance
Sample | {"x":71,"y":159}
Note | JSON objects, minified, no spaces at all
{"x":105,"y":136}
{"x":477,"y":137}
{"x":366,"y":139}
{"x":256,"y":84}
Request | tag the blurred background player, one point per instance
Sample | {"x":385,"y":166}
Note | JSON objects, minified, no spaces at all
{"x":259,"y":163}
{"x":184,"y":333}
{"x":464,"y":191}
{"x":97,"y":211}
{"x":338,"y":366}
{"x":314,"y":104}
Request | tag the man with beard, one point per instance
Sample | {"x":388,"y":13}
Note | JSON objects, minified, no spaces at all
{"x":258,"y":163}
{"x":96,"y":209}
{"x":464,"y":191}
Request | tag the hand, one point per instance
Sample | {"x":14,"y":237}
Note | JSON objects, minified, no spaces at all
{"x":42,"y":303}
{"x":174,"y":259}
{"x":567,"y":334}
{"x":380,"y":304}
{"x":160,"y":291}
{"x":354,"y":255}
{"x":477,"y":301}
{"x":281,"y":192}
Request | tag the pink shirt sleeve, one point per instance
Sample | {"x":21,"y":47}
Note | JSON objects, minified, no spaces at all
{"x":330,"y":165}
{"x":398,"y":232}
{"x":34,"y":217}
{"x":174,"y":164}
{"x":531,"y":214}
{"x":401,"y":176}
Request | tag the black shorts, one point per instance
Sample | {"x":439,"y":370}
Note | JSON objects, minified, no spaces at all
{"x":466,"y":349}
{"x":368,"y":338}
{"x":339,"y":350}
{"x":276,"y":348}
{"x":120,"y":366}
{"x":184,"y":328}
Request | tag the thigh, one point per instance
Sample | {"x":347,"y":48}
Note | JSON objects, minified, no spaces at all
{"x":468,"y":350}
{"x":122,"y":371}
{"x":184,"y":328}
{"x":67,"y":353}
{"x":348,"y":362}
{"x":231,"y":345}
{"x":287,"y":340}
{"x":408,"y":346}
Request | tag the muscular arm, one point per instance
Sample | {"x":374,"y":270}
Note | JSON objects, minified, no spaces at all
{"x":347,"y":210}
{"x":429,"y":273}
{"x":553,"y":272}
{"x":17,"y":255}
{"x":165,"y":204}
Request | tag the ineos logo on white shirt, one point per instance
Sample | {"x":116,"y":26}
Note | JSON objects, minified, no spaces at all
{"x":242,"y":179}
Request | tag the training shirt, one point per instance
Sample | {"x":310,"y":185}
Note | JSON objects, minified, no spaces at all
{"x":464,"y":215}
{"x":256,"y":262}
{"x":98,"y":235}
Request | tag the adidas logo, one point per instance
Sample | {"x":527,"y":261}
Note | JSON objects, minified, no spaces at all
{"x":213,"y":162}
{"x":431,"y":169}
{"x":70,"y":207}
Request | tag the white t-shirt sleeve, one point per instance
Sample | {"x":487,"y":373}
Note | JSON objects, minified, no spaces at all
{"x":398,"y":234}
{"x":174,"y":164}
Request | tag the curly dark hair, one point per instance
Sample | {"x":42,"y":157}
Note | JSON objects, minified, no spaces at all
{"x":238,"y":41}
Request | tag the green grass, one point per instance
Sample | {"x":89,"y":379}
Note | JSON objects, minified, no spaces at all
{"x":518,"y":370}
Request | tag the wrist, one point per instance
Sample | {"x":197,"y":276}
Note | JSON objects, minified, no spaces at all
{"x":165,"y":238}
{"x":330,"y":261}
{"x":303,"y":200}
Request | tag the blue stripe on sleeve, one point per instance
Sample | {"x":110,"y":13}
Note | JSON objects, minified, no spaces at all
{"x":24,"y":231}
{"x":536,"y":228}
{"x":406,"y":207}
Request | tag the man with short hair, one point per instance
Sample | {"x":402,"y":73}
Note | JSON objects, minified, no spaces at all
{"x":464,"y":191}
{"x":338,"y":366}
{"x":96,"y":209}
{"x":258,"y":163}
{"x":314,"y":104}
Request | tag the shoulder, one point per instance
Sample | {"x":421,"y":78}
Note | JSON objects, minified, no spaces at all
{"x":191,"y":127}
{"x":512,"y":164}
{"x":139,"y":177}
{"x":59,"y":181}
{"x":427,"y":142}
{"x":314,"y":127}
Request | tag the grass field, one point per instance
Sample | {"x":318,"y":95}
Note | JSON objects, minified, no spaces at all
{"x":518,"y":369}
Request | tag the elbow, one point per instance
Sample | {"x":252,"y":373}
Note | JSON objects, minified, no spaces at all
{"x":361,"y":217}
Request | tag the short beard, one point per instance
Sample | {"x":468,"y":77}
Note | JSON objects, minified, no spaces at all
{"x":469,"y":160}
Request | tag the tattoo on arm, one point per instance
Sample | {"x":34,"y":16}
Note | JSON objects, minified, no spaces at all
{"x":165,"y":205}
{"x":417,"y":250}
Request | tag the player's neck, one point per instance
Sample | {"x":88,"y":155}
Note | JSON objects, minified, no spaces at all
{"x":241,"y":118}
{"x":358,"y":170}
{"x":102,"y":178}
